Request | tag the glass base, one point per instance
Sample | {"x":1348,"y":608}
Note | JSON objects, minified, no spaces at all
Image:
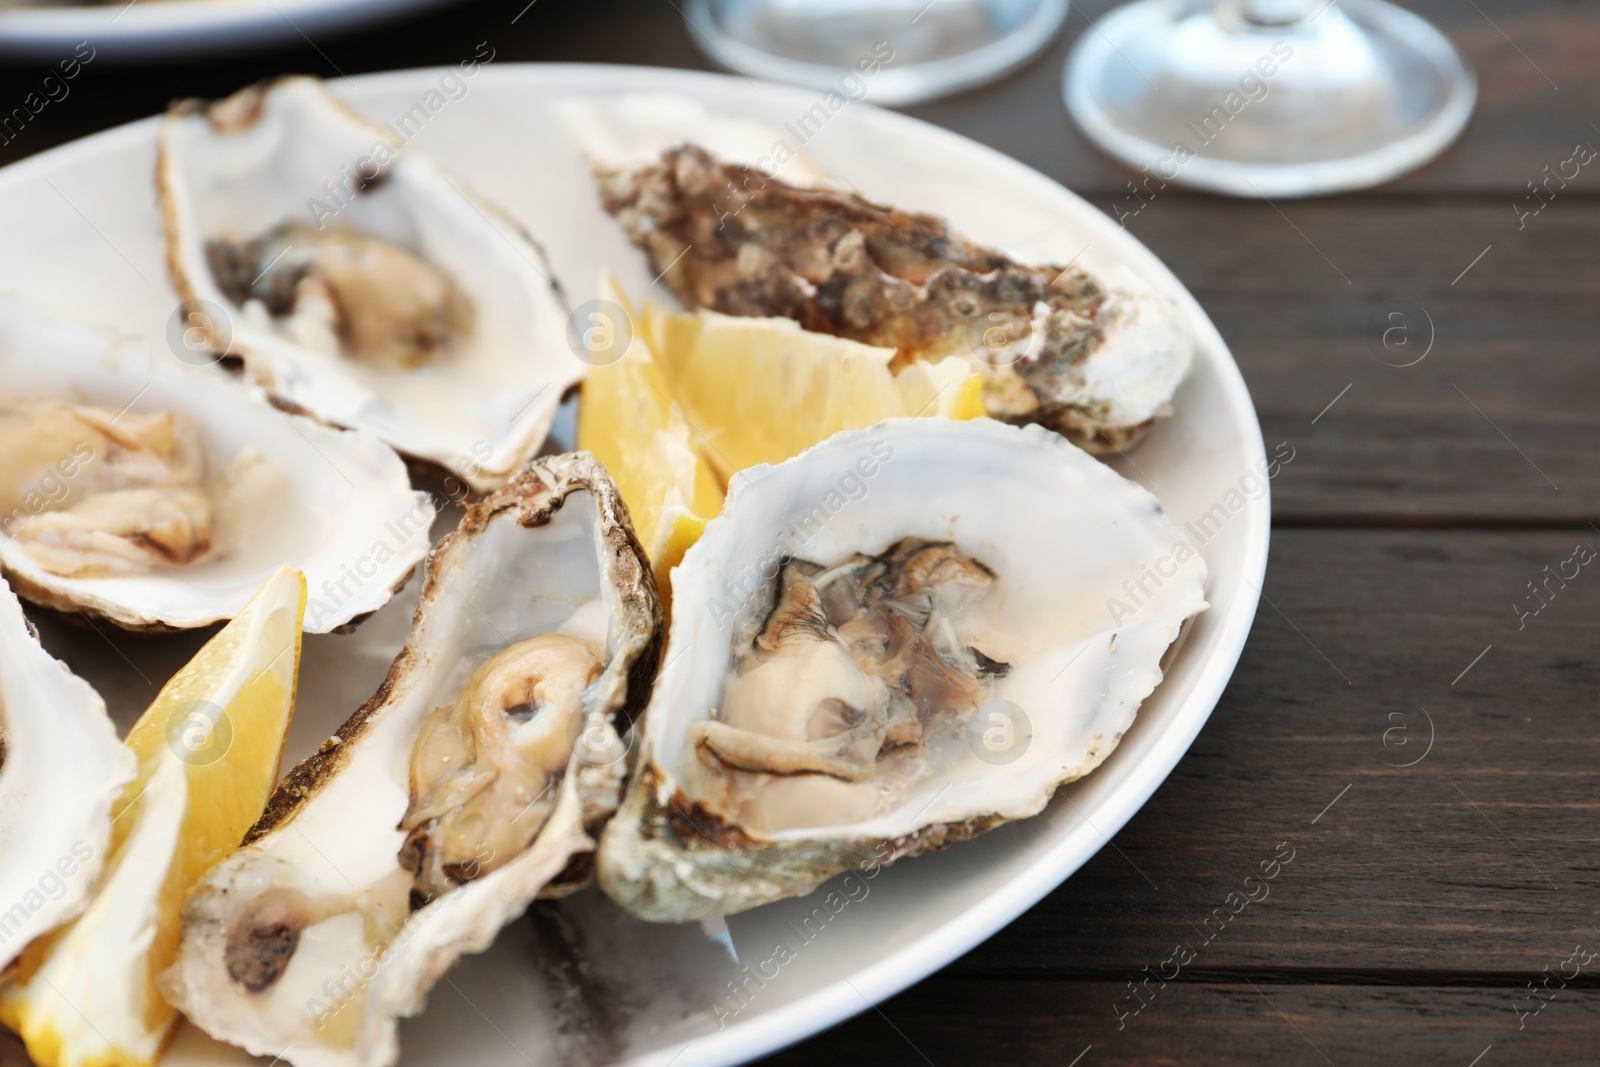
{"x":1356,"y":94}
{"x":893,"y":52}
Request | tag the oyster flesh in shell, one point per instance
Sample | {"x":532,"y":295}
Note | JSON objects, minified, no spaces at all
{"x":158,"y":497}
{"x":472,"y":782}
{"x":61,"y":769}
{"x":876,"y":657}
{"x":1096,"y":358}
{"x":359,"y":282}
{"x":143,"y":505}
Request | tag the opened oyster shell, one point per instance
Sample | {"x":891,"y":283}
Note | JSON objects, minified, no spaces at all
{"x":61,"y":768}
{"x":897,"y":640}
{"x":160,"y":497}
{"x":360,"y":282}
{"x":740,"y":223}
{"x":468,"y":785}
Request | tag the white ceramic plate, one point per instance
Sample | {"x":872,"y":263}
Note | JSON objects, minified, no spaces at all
{"x":580,"y":982}
{"x":154,"y":29}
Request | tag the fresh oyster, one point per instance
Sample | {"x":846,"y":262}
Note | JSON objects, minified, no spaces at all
{"x":158,"y":497}
{"x":61,"y":768}
{"x":876,"y":657}
{"x":361,"y":283}
{"x":468,"y":785}
{"x":1095,"y":358}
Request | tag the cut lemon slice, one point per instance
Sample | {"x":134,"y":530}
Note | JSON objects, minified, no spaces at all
{"x":765,"y":390}
{"x":696,"y":398}
{"x":208,"y":751}
{"x":628,"y":420}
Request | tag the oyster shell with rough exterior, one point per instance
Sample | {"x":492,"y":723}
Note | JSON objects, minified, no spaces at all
{"x":1097,"y":358}
{"x":473,"y":781}
{"x":901,"y":638}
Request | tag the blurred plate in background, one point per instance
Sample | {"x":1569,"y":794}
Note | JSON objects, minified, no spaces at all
{"x":159,"y":29}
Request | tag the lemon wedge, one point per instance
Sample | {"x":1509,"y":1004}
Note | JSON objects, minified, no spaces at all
{"x":208,"y":751}
{"x":630,"y":423}
{"x":762,"y":390}
{"x":696,"y":398}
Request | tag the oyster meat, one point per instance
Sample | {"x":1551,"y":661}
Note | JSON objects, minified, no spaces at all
{"x":340,"y":292}
{"x":1095,"y":358}
{"x":357,"y":281}
{"x":473,"y":781}
{"x":61,"y":769}
{"x":851,"y":672}
{"x":876,"y":657}
{"x":142,"y":505}
{"x":160,"y":497}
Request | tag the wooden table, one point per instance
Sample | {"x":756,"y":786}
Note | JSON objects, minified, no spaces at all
{"x":1430,"y":886}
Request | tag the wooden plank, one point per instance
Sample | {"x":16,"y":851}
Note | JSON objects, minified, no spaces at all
{"x":956,"y":1021}
{"x":1499,"y":420}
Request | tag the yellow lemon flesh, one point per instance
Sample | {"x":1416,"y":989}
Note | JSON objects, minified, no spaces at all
{"x":208,"y":751}
{"x":630,"y":423}
{"x":696,"y":398}
{"x":765,"y":390}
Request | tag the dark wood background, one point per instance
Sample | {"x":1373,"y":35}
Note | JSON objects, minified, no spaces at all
{"x":1422,"y":904}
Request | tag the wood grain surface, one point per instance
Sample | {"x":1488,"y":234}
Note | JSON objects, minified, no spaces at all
{"x":1426,"y":744}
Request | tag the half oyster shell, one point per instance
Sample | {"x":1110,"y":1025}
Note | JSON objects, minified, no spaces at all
{"x":61,"y":769}
{"x":875,"y":656}
{"x":361,"y":283}
{"x":537,"y":634}
{"x":274,"y":489}
{"x":1097,"y":358}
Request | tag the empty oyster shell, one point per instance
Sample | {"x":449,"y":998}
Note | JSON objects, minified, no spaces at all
{"x":737,"y":222}
{"x":360,"y":282}
{"x":874,"y":657}
{"x":161,"y":498}
{"x":61,"y":769}
{"x":468,"y":785}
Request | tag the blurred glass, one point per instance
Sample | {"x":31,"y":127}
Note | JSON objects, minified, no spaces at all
{"x":904,"y":52}
{"x":1268,"y":98}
